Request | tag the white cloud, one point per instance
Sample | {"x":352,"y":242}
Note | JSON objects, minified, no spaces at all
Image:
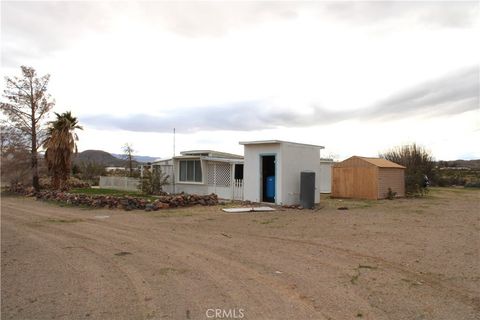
{"x":126,"y":59}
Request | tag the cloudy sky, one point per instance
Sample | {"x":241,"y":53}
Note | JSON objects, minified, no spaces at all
{"x":355,"y":77}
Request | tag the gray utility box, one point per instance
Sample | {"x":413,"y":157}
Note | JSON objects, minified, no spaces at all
{"x":307,"y":189}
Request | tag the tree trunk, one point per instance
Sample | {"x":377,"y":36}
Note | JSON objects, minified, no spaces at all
{"x":35,"y":180}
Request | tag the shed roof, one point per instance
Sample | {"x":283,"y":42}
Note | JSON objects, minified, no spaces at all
{"x":379,"y":162}
{"x":278,"y":142}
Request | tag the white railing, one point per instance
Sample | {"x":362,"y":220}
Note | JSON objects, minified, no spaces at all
{"x":237,"y":189}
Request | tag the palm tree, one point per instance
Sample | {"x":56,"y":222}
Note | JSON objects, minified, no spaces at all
{"x":60,"y":144}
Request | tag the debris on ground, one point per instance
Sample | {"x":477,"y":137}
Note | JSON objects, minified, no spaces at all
{"x":122,"y":253}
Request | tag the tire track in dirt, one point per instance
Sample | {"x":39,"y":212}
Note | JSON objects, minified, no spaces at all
{"x":293,"y":275}
{"x":215,"y":274}
{"x":55,"y":242}
{"x":238,"y":271}
{"x":212,"y":262}
{"x":463,"y":295}
{"x":230,"y":279}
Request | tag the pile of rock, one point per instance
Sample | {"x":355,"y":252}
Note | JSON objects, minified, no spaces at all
{"x":120,"y":202}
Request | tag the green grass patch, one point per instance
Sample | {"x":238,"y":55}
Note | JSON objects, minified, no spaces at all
{"x":437,"y":190}
{"x":111,"y":192}
{"x":445,"y":193}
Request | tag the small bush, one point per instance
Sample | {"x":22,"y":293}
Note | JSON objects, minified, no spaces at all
{"x":391,"y":194}
{"x":475,"y":184}
{"x":419,"y":167}
{"x":153,"y":181}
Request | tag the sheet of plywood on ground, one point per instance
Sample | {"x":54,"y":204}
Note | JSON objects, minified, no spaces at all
{"x":391,"y":178}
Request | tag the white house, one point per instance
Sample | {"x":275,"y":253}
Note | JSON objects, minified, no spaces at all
{"x":269,"y":172}
{"x":204,"y":172}
{"x":273,"y":167}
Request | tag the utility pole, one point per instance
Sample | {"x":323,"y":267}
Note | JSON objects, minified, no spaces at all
{"x":173,"y":163}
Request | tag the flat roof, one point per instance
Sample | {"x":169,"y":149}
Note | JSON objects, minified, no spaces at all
{"x":211,"y":153}
{"x":278,"y":142}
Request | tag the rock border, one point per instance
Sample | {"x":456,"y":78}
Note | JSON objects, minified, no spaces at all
{"x":115,"y":202}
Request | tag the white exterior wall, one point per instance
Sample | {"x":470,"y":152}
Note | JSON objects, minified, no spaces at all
{"x":203,"y":188}
{"x":297,"y":158}
{"x":193,"y":188}
{"x":221,"y":192}
{"x":291,"y":160}
{"x":252,"y":179}
{"x":326,"y":176}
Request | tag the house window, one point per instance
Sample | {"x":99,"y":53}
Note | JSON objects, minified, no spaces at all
{"x":190,"y":171}
{"x":239,"y":172}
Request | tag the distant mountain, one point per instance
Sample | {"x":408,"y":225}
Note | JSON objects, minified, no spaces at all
{"x":100,"y":157}
{"x":143,"y":159}
{"x":472,"y":164}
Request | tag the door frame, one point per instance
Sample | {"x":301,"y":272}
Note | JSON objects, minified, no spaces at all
{"x":261,"y":155}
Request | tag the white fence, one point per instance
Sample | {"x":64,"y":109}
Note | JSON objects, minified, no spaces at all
{"x":237,"y":189}
{"x":219,"y":181}
{"x":120,"y":183}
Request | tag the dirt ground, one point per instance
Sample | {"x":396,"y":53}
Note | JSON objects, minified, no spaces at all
{"x":400,"y":259}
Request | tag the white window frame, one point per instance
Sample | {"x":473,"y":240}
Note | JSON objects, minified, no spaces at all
{"x":186,"y":174}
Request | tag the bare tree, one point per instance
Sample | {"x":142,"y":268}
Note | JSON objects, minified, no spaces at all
{"x":15,"y":155}
{"x":27,"y":105}
{"x":419,"y":166}
{"x":11,"y":138}
{"x":128,"y":156}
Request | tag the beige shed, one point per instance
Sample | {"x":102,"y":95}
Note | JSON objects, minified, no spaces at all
{"x":367,"y":178}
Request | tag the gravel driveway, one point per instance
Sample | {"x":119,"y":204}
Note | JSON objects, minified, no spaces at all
{"x":400,"y":259}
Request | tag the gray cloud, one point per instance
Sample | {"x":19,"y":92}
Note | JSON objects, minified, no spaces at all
{"x":452,"y":94}
{"x":217,"y":18}
{"x":432,"y":13}
{"x":35,"y":29}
